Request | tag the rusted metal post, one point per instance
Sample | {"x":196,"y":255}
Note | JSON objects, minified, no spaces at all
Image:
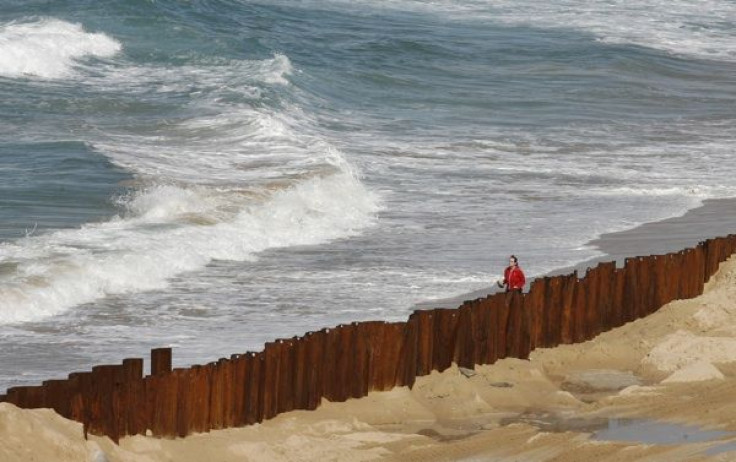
{"x":315,"y":372}
{"x":465,"y":340}
{"x":445,"y":333}
{"x":286,"y":376}
{"x":407,"y":369}
{"x":552,"y":321}
{"x":160,"y":361}
{"x":425,"y":336}
{"x":534,"y":305}
{"x":567,"y":315}
{"x":360,"y":383}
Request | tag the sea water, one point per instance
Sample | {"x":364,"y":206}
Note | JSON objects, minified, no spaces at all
{"x":211,"y":175}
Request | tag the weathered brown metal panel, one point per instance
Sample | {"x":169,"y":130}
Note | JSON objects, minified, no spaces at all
{"x":102,"y":417}
{"x":524,"y":333}
{"x":677,"y":269}
{"x":301,"y":397}
{"x":659,"y":281}
{"x":384,"y":354}
{"x":315,"y":381}
{"x":236,"y":416}
{"x":686,"y":286}
{"x":136,"y":422}
{"x":394,"y":335}
{"x":502,"y":320}
{"x":407,"y":367}
{"x":344,"y":361}
{"x":425,"y":339}
{"x":593,"y":310}
{"x":674,"y":275}
{"x":579,"y":311}
{"x":483,"y":332}
{"x":512,"y":302}
{"x":159,"y":402}
{"x":169,"y":404}
{"x":184,"y":404}
{"x":160,"y":361}
{"x":81,"y":383}
{"x":270,"y":379}
{"x":568,"y":291}
{"x":464,"y":342}
{"x":646,"y":288}
{"x":253,"y":407}
{"x":359,"y":350}
{"x":199,"y":392}
{"x":216,"y":395}
{"x":534,"y":305}
{"x":57,"y":396}
{"x":630,"y":308}
{"x":286,"y":377}
{"x":495,"y":304}
{"x":552,"y":321}
{"x":329,"y":364}
{"x":130,"y":399}
{"x":378,"y":356}
{"x":445,"y":333}
{"x":700,"y":273}
{"x":606,"y":285}
{"x":27,"y":397}
{"x":228,"y":392}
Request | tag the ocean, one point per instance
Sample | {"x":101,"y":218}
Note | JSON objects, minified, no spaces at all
{"x":212,"y":175}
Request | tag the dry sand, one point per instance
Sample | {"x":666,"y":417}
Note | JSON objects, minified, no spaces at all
{"x":677,"y":366}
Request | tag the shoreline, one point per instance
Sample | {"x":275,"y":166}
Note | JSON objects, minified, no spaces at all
{"x":657,"y":389}
{"x":714,"y":218}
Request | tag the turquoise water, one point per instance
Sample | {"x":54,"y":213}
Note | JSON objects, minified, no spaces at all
{"x":212,"y":175}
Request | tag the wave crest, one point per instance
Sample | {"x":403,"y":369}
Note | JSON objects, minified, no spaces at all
{"x":163,"y":237}
{"x":49,"y":48}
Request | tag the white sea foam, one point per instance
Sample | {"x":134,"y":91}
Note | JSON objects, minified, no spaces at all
{"x":703,"y":28}
{"x":49,"y":48}
{"x":159,"y":240}
{"x":219,"y":76}
{"x":225,"y":180}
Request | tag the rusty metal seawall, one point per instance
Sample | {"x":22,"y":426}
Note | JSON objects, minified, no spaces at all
{"x":349,"y":361}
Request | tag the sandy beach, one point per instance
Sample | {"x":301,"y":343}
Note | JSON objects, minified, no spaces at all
{"x":659,"y":388}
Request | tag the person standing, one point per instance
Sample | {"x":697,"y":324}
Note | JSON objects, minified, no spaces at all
{"x":513,"y":276}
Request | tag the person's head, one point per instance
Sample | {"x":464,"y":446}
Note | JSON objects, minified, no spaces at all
{"x":513,"y":261}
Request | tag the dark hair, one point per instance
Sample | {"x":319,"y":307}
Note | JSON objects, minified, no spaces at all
{"x":516,"y":260}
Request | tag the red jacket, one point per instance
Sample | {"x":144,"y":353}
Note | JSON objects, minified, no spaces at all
{"x":513,"y":278}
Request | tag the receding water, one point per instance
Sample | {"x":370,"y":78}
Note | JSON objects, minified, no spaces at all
{"x":721,"y":448}
{"x":644,"y":431}
{"x":656,"y":432}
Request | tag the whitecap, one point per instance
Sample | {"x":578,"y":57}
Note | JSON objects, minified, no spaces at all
{"x":49,"y":48}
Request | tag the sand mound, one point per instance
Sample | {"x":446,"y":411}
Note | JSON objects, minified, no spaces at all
{"x":683,"y":348}
{"x":695,"y":372}
{"x":41,"y":434}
